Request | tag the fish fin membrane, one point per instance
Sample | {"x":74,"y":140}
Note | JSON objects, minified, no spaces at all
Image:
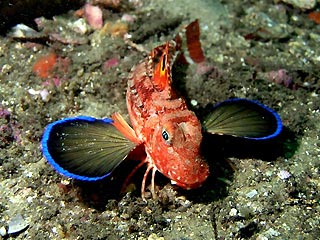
{"x":193,"y":42}
{"x":243,"y":118}
{"x":85,"y":148}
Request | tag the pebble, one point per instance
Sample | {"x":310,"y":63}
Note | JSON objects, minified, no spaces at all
{"x":283,"y":174}
{"x":252,"y":193}
{"x":79,"y":26}
{"x":303,"y":4}
{"x":233,"y":212}
{"x":154,"y":236}
{"x":194,"y":102}
{"x":22,"y":31}
{"x":272,"y":233}
{"x":17,"y":224}
{"x":3,"y":231}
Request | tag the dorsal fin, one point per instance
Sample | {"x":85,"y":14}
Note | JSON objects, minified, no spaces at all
{"x":191,"y":40}
{"x":173,"y":51}
{"x":162,"y":74}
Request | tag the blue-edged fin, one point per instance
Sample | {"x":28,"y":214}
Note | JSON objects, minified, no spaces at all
{"x":243,"y":118}
{"x":85,"y":148}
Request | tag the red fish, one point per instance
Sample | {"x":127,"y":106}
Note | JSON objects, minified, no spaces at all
{"x":170,"y":135}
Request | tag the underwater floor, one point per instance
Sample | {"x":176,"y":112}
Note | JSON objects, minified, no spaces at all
{"x":77,"y":63}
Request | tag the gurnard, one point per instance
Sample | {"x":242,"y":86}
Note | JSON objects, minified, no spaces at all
{"x":165,"y":135}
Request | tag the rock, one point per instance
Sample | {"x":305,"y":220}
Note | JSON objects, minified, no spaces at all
{"x":303,"y":4}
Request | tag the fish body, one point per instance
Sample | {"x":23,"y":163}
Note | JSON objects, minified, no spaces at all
{"x":171,"y":134}
{"x":89,"y":149}
{"x":169,"y":131}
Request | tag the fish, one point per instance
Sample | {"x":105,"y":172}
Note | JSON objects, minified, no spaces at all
{"x":166,"y":135}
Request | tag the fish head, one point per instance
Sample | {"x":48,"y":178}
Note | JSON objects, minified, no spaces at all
{"x":175,"y":150}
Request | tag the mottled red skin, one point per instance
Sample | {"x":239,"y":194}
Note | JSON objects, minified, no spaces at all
{"x":153,"y":108}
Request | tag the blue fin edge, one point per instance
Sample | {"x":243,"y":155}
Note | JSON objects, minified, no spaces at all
{"x":47,"y":155}
{"x":273,"y":112}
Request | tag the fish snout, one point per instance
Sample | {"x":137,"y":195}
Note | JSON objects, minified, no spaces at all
{"x":192,"y":175}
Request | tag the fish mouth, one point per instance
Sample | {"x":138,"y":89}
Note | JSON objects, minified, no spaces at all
{"x":194,"y":180}
{"x":188,"y":186}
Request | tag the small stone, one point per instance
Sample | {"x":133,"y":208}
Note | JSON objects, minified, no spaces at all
{"x":93,"y":15}
{"x":154,"y":236}
{"x":80,"y":26}
{"x":17,"y":224}
{"x":233,"y":212}
{"x":22,"y":31}
{"x":272,"y":233}
{"x":194,"y":102}
{"x":283,"y":174}
{"x":303,"y":4}
{"x":252,"y":193}
{"x":3,"y":231}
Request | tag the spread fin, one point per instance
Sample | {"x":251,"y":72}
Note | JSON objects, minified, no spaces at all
{"x":85,"y":148}
{"x":243,"y":118}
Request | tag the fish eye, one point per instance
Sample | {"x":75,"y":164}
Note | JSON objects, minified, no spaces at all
{"x":165,"y":135}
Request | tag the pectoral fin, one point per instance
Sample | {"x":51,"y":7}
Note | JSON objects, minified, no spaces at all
{"x":85,"y":148}
{"x":243,"y":118}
